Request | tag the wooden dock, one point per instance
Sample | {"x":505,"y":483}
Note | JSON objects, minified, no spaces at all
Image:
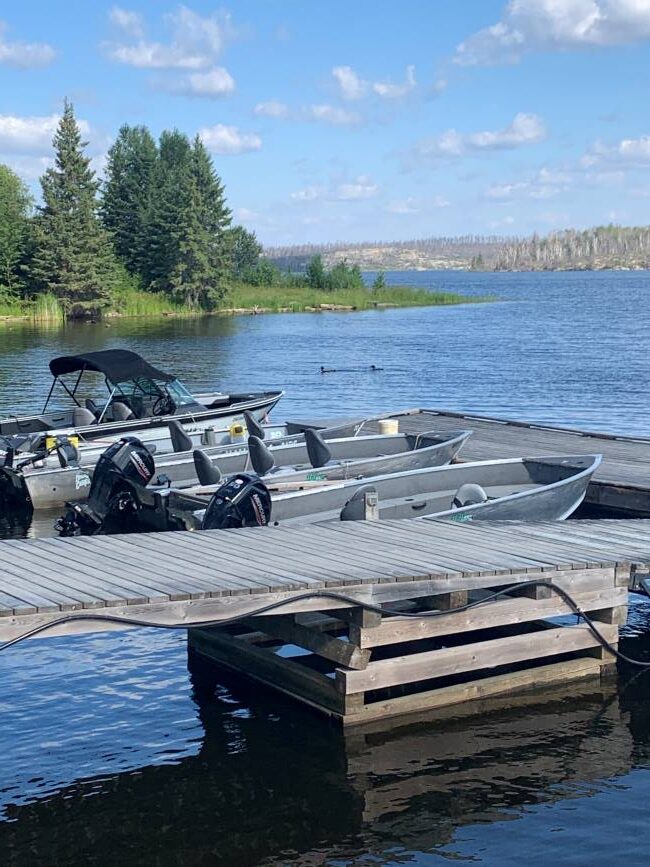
{"x":360,"y":665}
{"x":621,"y":485}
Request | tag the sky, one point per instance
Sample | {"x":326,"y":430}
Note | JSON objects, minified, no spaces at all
{"x":358,"y":120}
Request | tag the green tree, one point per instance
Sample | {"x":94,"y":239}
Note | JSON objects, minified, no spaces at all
{"x":128,"y":193}
{"x":315,"y":273}
{"x":15,"y":205}
{"x":245,"y":251}
{"x":379,"y":282}
{"x":73,"y":256}
{"x":199,"y":276}
{"x":168,"y":212}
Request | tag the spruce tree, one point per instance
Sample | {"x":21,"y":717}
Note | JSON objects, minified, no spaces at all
{"x":73,"y":257}
{"x":168,"y":212}
{"x":15,"y":204}
{"x":128,"y":194}
{"x":199,"y":278}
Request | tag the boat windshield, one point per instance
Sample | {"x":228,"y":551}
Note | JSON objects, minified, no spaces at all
{"x":180,"y":394}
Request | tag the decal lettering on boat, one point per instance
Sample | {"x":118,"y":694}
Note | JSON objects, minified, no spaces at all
{"x":81,"y":480}
{"x":461,"y":519}
{"x":315,"y":477}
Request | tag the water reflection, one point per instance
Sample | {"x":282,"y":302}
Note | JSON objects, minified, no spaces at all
{"x":268,"y":782}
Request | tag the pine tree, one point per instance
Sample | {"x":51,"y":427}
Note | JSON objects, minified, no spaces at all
{"x":15,"y":204}
{"x":128,"y":194}
{"x":198,"y":278}
{"x":73,"y":257}
{"x":168,"y":213}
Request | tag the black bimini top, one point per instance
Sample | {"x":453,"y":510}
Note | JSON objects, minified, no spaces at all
{"x":118,"y":365}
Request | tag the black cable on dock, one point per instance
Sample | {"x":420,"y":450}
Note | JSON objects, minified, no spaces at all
{"x":337,"y":597}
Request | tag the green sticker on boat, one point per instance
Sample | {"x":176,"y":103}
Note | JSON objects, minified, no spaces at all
{"x":461,"y":519}
{"x":315,"y":477}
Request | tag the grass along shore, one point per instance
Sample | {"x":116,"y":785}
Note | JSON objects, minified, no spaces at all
{"x":242,"y":299}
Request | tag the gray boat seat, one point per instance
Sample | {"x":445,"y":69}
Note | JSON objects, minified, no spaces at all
{"x":355,"y":508}
{"x":261,"y":457}
{"x":82,"y":417}
{"x":207,"y":472}
{"x":121,"y":412}
{"x":91,"y":406}
{"x":469,"y":494}
{"x":181,"y":442}
{"x":253,"y":427}
{"x":319,"y":454}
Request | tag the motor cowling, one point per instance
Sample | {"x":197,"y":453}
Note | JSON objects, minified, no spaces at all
{"x":243,"y":501}
{"x":123,"y":468}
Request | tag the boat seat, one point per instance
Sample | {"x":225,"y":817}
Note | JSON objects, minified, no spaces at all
{"x":82,"y":417}
{"x":317,"y":450}
{"x":181,"y":442}
{"x":91,"y":406}
{"x":207,"y":472}
{"x":469,"y":494}
{"x":121,"y":412}
{"x":253,"y":427}
{"x":261,"y":458}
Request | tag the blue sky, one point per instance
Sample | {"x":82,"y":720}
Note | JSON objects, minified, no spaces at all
{"x":356,"y":120}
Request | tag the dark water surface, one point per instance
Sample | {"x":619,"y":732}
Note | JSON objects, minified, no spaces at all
{"x":111,"y":752}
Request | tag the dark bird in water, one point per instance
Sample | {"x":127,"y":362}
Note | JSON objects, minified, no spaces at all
{"x":372,"y":367}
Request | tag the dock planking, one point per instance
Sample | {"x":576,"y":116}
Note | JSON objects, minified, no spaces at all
{"x":620,"y":484}
{"x":184,"y":577}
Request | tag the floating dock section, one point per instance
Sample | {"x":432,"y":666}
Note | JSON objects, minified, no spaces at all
{"x":353,"y":664}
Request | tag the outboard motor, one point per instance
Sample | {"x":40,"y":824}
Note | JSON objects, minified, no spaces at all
{"x":243,"y":501}
{"x":123,"y":468}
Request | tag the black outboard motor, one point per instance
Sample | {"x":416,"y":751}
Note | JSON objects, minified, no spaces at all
{"x":123,"y":468}
{"x":243,"y":501}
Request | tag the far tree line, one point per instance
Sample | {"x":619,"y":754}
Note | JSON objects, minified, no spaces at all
{"x":159,"y":222}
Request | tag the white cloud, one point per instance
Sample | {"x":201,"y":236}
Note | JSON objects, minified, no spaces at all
{"x":529,"y":25}
{"x":195,"y":44}
{"x":396,"y":91}
{"x":403,"y":206}
{"x":525,"y":129}
{"x":222,"y":139}
{"x":24,"y":54}
{"x":130,"y":22}
{"x":212,"y":84}
{"x":309,"y":194}
{"x":30,"y":135}
{"x":331,"y":114}
{"x":29,"y":168}
{"x":351,"y":86}
{"x":630,"y":152}
{"x":360,"y":188}
{"x":272,"y":108}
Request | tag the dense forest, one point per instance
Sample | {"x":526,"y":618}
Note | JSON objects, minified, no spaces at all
{"x":157,"y":224}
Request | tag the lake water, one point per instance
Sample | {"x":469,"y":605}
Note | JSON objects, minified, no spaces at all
{"x":113,"y":753}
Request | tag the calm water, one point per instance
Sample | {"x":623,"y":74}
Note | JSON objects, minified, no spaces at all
{"x":113,"y":753}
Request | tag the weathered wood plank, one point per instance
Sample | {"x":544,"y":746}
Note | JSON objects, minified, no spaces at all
{"x":502,"y":613}
{"x":334,"y":649}
{"x":473,"y":657}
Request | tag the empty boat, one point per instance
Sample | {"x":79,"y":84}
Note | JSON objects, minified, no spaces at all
{"x":127,"y":484}
{"x":514,"y":489}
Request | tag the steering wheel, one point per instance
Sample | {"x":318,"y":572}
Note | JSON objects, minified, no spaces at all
{"x":163,"y":406}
